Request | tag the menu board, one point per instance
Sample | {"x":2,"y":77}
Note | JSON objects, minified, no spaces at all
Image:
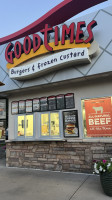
{"x":36,"y":105}
{"x":22,"y":106}
{"x":14,"y":107}
{"x":70,"y":123}
{"x":69,"y":100}
{"x":52,"y":103}
{"x":28,"y":105}
{"x":43,"y":104}
{"x":2,"y":108}
{"x":60,"y":102}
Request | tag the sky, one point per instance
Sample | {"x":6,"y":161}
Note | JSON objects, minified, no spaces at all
{"x":17,"y":14}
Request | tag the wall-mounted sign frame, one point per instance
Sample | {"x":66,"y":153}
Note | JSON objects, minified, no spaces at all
{"x":22,"y":106}
{"x":43,"y":104}
{"x":70,"y":123}
{"x":69,"y":101}
{"x":97,"y":117}
{"x":60,"y":101}
{"x":52,"y":103}
{"x":3,"y":114}
{"x":14,"y":107}
{"x":29,"y":107}
{"x":36,"y":105}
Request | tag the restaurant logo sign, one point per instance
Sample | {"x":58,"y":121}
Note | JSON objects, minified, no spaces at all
{"x":64,"y":38}
{"x":52,"y":62}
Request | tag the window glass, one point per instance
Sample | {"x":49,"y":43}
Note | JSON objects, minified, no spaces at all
{"x":44,"y":124}
{"x":29,"y":126}
{"x":97,"y":117}
{"x":54,"y":124}
{"x":21,"y":126}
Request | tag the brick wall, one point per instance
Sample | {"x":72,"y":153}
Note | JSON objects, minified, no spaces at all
{"x":57,"y":156}
{"x":2,"y":149}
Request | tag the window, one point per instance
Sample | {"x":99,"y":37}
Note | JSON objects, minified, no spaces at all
{"x":97,"y":117}
{"x":39,"y":126}
{"x":44,"y":124}
{"x":25,"y":126}
{"x":50,"y":125}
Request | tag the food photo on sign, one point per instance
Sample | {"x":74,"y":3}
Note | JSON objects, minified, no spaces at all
{"x":70,"y":123}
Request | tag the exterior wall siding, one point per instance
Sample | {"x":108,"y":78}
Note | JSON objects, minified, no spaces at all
{"x":57,"y":156}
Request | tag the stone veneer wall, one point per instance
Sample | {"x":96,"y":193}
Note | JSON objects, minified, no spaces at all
{"x":2,"y":149}
{"x":57,"y":156}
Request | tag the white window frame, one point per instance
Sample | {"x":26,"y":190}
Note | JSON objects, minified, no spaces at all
{"x":23,"y":138}
{"x":40,"y":137}
{"x":37,"y":127}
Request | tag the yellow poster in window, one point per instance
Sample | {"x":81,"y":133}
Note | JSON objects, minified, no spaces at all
{"x":44,"y":124}
{"x":20,"y":126}
{"x":29,"y":126}
{"x":54,"y":124}
{"x":0,"y":134}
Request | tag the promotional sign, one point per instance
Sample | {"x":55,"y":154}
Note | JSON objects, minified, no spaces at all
{"x":52,"y":103}
{"x":60,"y":101}
{"x":70,"y":123}
{"x":2,"y":108}
{"x":36,"y":105}
{"x":28,"y":105}
{"x":43,"y":104}
{"x":69,"y":101}
{"x":14,"y":107}
{"x":50,"y":63}
{"x":22,"y":106}
{"x":98,"y":114}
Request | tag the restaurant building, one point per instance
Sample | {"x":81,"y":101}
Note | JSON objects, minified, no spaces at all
{"x":57,"y":95}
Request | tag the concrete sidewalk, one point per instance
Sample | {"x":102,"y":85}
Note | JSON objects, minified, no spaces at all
{"x":28,"y":184}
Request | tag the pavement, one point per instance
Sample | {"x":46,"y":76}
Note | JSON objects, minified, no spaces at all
{"x":29,"y":184}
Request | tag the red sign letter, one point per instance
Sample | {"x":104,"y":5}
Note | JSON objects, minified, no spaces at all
{"x":80,"y":33}
{"x":89,"y":27}
{"x":69,"y":31}
{"x":17,"y":50}
{"x":46,"y":31}
{"x":27,"y":45}
{"x":57,"y":35}
{"x":36,"y":42}
{"x":9,"y":55}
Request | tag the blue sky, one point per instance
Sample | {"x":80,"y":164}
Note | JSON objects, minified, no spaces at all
{"x":15,"y":15}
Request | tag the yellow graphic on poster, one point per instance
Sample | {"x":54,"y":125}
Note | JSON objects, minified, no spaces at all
{"x":0,"y":133}
{"x":20,"y":125}
{"x":54,"y":124}
{"x":29,"y":126}
{"x":44,"y":124}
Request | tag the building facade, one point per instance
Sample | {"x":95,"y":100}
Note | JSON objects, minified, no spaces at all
{"x":60,"y":100}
